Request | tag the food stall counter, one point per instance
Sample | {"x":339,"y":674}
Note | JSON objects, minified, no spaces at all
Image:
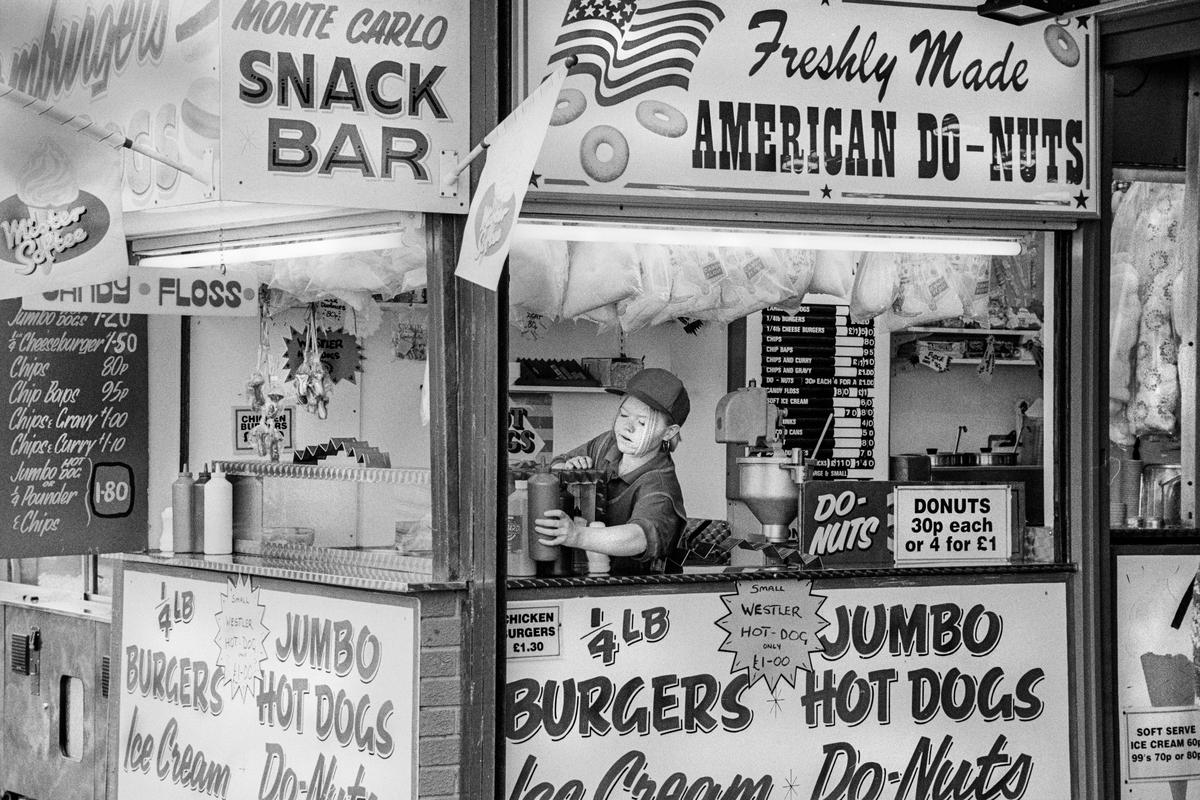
{"x":373,"y":570}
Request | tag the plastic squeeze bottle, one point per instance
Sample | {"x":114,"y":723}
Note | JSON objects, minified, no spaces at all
{"x":181,"y":512}
{"x":543,"y":497}
{"x":218,"y":515}
{"x":202,"y":478}
{"x":520,"y":563}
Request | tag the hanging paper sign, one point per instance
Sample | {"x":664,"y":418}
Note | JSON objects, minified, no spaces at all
{"x":340,"y":353}
{"x":60,"y":207}
{"x":938,"y":362}
{"x":150,"y":290}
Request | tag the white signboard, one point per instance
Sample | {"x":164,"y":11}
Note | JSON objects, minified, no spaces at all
{"x":147,"y":69}
{"x":1161,"y":744}
{"x":1157,"y":649}
{"x":246,"y":419}
{"x":953,"y":524}
{"x":349,"y":104}
{"x":148,"y":290}
{"x":913,"y":692}
{"x":842,"y":102}
{"x":534,"y":631}
{"x":236,"y":687}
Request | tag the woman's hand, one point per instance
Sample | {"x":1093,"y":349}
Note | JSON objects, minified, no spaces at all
{"x":557,"y":528}
{"x":577,"y":462}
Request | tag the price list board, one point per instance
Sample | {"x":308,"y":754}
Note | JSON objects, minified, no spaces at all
{"x":74,"y":457}
{"x":818,"y":364}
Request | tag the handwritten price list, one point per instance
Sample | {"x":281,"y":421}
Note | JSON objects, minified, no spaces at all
{"x":74,"y":455}
{"x":815,"y":363}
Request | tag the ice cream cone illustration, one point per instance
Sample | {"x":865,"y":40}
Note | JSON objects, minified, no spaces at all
{"x":48,"y":183}
{"x":1170,"y":681}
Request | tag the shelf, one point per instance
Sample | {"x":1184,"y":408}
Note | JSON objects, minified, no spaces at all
{"x":975,"y":331}
{"x":1008,"y":362}
{"x":273,"y":469}
{"x":518,"y":387}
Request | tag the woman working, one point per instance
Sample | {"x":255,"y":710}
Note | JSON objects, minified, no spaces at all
{"x":644,"y":515}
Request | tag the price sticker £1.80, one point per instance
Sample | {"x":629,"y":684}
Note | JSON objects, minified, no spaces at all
{"x":111,"y":493}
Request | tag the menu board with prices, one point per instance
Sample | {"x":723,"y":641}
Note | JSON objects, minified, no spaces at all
{"x":75,"y":456}
{"x":819,"y":367}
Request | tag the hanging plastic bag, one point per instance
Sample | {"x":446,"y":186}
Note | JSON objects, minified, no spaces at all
{"x":537,"y":271}
{"x":833,"y":273}
{"x":971,"y":276}
{"x":696,"y":275}
{"x":640,"y":310}
{"x":924,"y":295}
{"x":875,"y":284}
{"x":753,"y":281}
{"x":601,"y":274}
{"x":798,"y":267}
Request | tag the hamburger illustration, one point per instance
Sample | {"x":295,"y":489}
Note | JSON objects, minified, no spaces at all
{"x":201,"y":115}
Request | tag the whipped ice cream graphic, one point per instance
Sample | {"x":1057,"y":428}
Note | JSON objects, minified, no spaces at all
{"x":48,"y":187}
{"x":48,"y":180}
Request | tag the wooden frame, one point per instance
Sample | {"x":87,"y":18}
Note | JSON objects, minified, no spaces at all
{"x":1126,"y":547}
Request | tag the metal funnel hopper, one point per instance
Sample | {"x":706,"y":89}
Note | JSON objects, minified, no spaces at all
{"x":767,"y":486}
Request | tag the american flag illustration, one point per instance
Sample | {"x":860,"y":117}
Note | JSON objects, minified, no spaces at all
{"x":633,"y":46}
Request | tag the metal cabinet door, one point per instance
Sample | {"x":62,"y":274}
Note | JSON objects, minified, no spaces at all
{"x":49,"y":736}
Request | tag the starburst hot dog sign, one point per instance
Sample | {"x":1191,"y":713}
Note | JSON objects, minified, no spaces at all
{"x":772,"y":629}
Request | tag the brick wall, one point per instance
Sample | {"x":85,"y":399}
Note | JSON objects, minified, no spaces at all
{"x":440,"y":670}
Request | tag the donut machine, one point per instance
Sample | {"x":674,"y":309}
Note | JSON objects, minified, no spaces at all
{"x":766,"y":480}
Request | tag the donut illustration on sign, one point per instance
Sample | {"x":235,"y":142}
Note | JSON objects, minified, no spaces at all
{"x":570,"y":105}
{"x":599,"y":141}
{"x":1061,"y":45}
{"x":661,"y":118}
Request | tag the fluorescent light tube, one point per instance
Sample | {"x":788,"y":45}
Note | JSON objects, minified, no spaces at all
{"x":853,"y":242}
{"x":244,"y":252}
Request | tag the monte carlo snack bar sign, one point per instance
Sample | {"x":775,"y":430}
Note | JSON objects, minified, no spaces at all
{"x":816,"y":102}
{"x":334,"y":104}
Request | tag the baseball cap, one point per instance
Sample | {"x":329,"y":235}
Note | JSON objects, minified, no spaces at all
{"x":660,"y":390}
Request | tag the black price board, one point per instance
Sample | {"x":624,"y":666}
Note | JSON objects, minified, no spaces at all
{"x":820,"y":366}
{"x":75,"y":457}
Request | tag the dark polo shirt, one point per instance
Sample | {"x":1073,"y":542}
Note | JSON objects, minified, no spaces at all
{"x":649,"y":496}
